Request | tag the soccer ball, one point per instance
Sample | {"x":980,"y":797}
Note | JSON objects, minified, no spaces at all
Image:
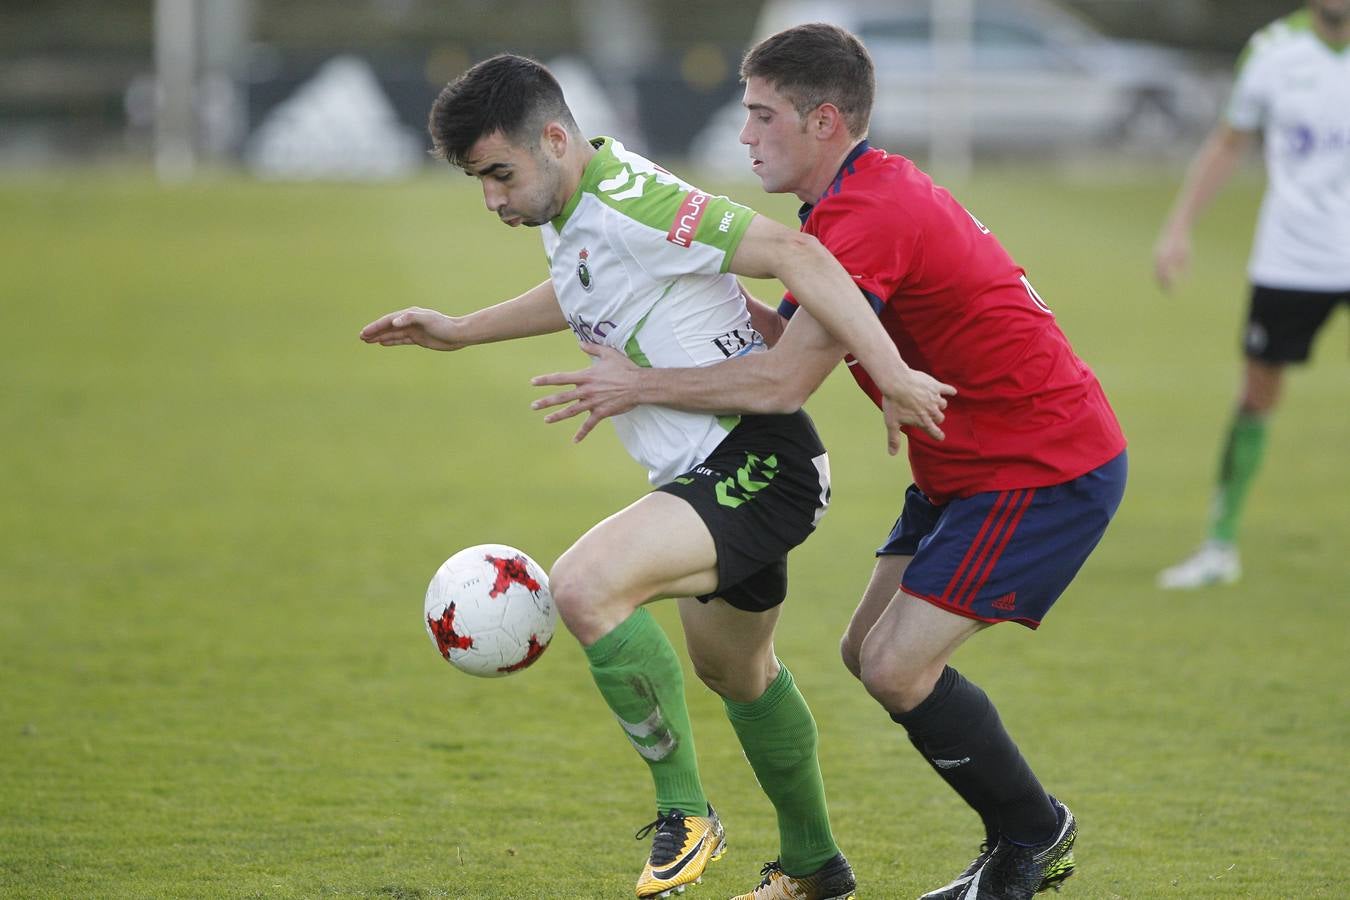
{"x":489,"y":612}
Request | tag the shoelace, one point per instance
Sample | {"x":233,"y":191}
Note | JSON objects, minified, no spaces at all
{"x":671,"y":833}
{"x":768,"y":871}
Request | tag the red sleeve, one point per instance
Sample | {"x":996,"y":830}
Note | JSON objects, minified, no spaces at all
{"x":878,"y":246}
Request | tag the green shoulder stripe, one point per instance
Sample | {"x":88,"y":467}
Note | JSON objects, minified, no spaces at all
{"x":658,"y":200}
{"x":1294,"y":23}
{"x":639,"y":195}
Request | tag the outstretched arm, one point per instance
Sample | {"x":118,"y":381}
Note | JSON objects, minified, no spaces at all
{"x":534,"y":312}
{"x":1210,"y":169}
{"x":777,"y":381}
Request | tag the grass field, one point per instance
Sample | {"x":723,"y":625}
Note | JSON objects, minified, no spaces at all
{"x":219,"y":511}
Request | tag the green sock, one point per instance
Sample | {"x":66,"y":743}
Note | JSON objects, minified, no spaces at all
{"x":1241,"y":459}
{"x":778,"y":735}
{"x":640,"y":678}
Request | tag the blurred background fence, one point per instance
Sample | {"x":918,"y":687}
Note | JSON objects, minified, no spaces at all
{"x":302,"y":88}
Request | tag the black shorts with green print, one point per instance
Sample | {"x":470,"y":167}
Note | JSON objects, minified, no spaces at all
{"x":761,"y":492}
{"x":1281,"y":324}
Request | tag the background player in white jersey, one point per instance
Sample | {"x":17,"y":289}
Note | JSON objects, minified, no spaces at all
{"x":1293,"y":86}
{"x":641,"y":262}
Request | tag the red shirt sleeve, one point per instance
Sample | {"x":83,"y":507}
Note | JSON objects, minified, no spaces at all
{"x":878,"y":246}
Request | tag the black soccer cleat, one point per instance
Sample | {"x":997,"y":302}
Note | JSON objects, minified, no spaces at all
{"x":953,"y":889}
{"x":1013,"y":872}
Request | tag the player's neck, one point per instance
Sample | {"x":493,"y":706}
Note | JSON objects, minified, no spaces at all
{"x":579,"y":156}
{"x":825,"y":171}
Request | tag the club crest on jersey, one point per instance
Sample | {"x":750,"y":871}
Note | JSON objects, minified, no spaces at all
{"x":584,"y":271}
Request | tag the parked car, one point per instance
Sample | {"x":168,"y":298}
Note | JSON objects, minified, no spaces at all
{"x":1036,"y":77}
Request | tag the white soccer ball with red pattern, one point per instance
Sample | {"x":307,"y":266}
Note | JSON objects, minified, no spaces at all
{"x":489,"y":612}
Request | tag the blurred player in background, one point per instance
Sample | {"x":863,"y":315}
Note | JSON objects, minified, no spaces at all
{"x":1004,"y":510}
{"x":642,"y":262}
{"x":1292,"y":87}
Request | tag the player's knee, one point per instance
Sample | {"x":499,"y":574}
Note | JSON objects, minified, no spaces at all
{"x":712,"y":674}
{"x":1261,"y":388}
{"x":897,"y":686}
{"x":1257,"y":405}
{"x":577,"y":596}
{"x":739,"y":680}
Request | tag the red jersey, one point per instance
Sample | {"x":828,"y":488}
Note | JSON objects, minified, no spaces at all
{"x":1028,"y":412}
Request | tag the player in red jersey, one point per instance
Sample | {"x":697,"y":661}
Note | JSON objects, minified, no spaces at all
{"x":1012,"y":491}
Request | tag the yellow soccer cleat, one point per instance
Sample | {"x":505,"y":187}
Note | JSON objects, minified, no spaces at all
{"x":681,"y":849}
{"x":832,"y":881}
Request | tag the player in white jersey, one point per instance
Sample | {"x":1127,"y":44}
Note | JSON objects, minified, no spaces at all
{"x":642,"y":262}
{"x":1293,"y":88}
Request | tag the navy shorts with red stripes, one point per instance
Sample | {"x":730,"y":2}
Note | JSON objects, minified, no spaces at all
{"x":1004,"y":556}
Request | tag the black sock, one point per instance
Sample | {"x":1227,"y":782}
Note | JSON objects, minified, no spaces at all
{"x":990,"y":824}
{"x":959,"y":732}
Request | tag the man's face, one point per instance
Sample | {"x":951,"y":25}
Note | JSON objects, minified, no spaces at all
{"x":1333,"y":12}
{"x":521,"y":185}
{"x":782,"y":152}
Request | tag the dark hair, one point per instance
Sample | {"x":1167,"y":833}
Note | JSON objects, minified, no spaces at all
{"x":815,"y":64}
{"x":507,"y":93}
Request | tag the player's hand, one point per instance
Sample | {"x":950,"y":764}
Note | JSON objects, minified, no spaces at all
{"x":607,"y":388}
{"x":423,"y":327}
{"x":1171,"y":257}
{"x":918,"y":401}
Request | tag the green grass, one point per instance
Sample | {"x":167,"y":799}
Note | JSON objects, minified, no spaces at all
{"x":219,"y":512}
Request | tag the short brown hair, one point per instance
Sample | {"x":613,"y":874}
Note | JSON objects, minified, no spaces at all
{"x":511,"y":94}
{"x":815,"y":64}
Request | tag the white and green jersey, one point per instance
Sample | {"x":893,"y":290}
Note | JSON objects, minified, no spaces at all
{"x":639,"y":261}
{"x":1296,"y":88}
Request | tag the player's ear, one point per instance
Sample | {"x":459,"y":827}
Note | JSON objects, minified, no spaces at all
{"x":825,"y":121}
{"x":555,"y":139}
